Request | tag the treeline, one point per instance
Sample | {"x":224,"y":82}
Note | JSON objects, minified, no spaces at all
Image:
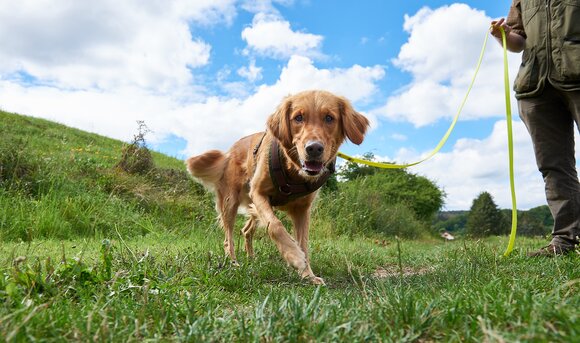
{"x":485,"y":219}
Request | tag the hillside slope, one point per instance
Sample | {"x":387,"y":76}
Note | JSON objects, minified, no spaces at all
{"x":60,"y":182}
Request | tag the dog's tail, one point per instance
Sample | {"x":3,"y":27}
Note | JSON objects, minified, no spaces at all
{"x":208,"y":168}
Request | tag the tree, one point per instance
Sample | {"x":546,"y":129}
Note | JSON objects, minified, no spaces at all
{"x":485,"y":218}
{"x":537,"y":221}
{"x":351,"y":170}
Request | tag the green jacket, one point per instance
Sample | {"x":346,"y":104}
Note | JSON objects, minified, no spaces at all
{"x":552,"y":50}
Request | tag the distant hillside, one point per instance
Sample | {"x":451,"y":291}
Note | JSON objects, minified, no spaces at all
{"x":537,"y":221}
{"x":451,"y":221}
{"x":446,"y":215}
{"x":60,"y":182}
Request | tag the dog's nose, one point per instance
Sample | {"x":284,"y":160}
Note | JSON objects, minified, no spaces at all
{"x":314,"y":149}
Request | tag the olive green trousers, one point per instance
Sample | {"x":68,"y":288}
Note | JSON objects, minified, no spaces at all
{"x":552,"y":118}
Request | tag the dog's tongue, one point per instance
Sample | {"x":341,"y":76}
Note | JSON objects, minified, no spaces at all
{"x":313,"y":166}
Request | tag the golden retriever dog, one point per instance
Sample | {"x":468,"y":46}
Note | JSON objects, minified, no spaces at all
{"x":280,"y":169}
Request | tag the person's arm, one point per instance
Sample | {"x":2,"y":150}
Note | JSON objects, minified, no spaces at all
{"x":514,"y":42}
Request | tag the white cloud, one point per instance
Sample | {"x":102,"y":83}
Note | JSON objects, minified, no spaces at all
{"x":441,"y":59}
{"x":205,"y":12}
{"x":251,"y":72}
{"x":106,"y":44}
{"x":356,"y":82}
{"x":264,"y":6}
{"x":399,"y":137}
{"x":477,"y":165}
{"x":272,"y":36}
{"x":238,"y":117}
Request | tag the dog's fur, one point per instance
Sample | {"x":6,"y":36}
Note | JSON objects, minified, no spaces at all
{"x":310,"y":127}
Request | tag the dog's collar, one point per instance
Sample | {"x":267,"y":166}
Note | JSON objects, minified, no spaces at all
{"x":286,"y":191}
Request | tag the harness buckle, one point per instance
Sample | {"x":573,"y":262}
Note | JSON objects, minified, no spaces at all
{"x":285,"y":190}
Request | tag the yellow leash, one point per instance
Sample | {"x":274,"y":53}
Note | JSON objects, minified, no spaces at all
{"x":508,"y":114}
{"x":443,"y":140}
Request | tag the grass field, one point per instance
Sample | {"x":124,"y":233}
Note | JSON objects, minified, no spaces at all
{"x":89,"y":252}
{"x":181,"y":288}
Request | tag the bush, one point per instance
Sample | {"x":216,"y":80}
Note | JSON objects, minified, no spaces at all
{"x":24,"y":172}
{"x":388,"y":203}
{"x":136,"y":157}
{"x":398,"y":220}
{"x":398,"y":186}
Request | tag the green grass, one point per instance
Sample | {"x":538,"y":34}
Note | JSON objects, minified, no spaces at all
{"x":58,"y":182}
{"x":181,"y":288}
{"x":89,"y":252}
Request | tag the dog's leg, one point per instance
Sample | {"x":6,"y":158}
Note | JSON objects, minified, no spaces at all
{"x":290,"y":250}
{"x":228,"y":208}
{"x":301,"y":220}
{"x":248,"y":232}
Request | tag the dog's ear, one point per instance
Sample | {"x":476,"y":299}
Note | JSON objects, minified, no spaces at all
{"x":279,"y":123}
{"x":354,"y":124}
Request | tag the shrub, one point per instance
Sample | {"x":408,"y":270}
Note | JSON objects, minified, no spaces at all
{"x":136,"y":158}
{"x":15,"y":163}
{"x":23,"y":171}
{"x":417,"y":193}
{"x":397,"y":186}
{"x":388,"y":203}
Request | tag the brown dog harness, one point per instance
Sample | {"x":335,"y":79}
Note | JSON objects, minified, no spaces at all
{"x":285,"y":190}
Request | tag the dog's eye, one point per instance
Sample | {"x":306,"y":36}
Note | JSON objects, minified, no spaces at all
{"x":299,"y":118}
{"x":328,"y":118}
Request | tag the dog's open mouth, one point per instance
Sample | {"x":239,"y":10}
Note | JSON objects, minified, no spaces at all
{"x":312,"y":167}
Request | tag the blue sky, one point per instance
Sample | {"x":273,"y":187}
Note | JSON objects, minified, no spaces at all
{"x":203,"y":73}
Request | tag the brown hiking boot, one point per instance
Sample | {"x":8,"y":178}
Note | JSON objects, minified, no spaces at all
{"x":551,"y":251}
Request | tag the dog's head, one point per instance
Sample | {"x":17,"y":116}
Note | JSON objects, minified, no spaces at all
{"x":311,"y":126}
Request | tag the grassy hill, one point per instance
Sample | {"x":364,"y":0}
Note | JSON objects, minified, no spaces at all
{"x":59,"y":182}
{"x":91,"y":252}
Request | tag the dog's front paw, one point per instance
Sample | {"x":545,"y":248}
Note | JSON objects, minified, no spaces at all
{"x":315,"y":280}
{"x":307,"y":274}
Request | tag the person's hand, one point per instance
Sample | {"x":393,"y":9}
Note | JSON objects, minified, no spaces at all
{"x":514,"y":41}
{"x":495,"y":28}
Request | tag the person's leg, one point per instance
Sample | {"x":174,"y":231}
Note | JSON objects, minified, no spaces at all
{"x":573,"y":102}
{"x":550,"y":123}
